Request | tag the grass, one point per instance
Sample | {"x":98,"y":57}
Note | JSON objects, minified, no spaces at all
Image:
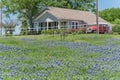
{"x":48,"y":57}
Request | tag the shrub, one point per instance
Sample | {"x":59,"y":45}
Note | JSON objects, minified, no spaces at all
{"x":57,"y":31}
{"x":116,"y":28}
{"x":72,"y":31}
{"x":115,"y":33}
{"x":47,"y":31}
{"x":24,"y":31}
{"x":62,"y":31}
{"x":50,"y":31}
{"x":44,"y":32}
{"x":29,"y":32}
{"x":79,"y":32}
{"x":110,"y":32}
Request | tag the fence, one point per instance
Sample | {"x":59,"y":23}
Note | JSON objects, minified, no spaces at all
{"x":76,"y":29}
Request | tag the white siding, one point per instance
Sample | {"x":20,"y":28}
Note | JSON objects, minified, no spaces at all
{"x":48,"y":17}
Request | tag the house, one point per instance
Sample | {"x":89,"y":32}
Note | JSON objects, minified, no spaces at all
{"x":56,"y":18}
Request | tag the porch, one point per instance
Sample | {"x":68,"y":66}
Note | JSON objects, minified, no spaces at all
{"x":49,"y":25}
{"x":59,"y":25}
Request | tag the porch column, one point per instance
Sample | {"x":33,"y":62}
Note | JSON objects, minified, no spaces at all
{"x":37,"y":27}
{"x":47,"y":25}
{"x":36,"y":24}
{"x":59,"y":24}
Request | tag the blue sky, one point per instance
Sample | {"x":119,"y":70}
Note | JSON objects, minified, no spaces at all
{"x":103,"y":4}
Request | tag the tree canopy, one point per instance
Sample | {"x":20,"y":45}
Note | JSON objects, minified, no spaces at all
{"x":25,"y":8}
{"x":112,"y":15}
{"x":10,"y":25}
{"x":88,"y":5}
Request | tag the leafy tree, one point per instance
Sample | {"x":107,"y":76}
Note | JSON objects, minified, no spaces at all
{"x":9,"y":26}
{"x":88,"y":5}
{"x":116,"y":28}
{"x":25,"y":8}
{"x":117,"y":21}
{"x":112,"y":15}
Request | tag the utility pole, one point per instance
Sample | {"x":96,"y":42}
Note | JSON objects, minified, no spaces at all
{"x":0,"y":19}
{"x":97,"y":24}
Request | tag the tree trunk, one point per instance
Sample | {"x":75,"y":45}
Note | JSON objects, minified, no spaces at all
{"x":31,"y":23}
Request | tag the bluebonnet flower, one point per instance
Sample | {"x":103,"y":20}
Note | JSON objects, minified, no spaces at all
{"x":23,"y":79}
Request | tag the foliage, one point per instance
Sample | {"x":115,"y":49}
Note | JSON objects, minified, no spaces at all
{"x":24,"y":23}
{"x":24,"y":31}
{"x":78,"y":30}
{"x":117,"y":21}
{"x":116,"y":28}
{"x":43,"y":31}
{"x":65,"y":31}
{"x":56,"y":31}
{"x":25,"y":8}
{"x":111,"y":15}
{"x":47,"y":32}
{"x":88,"y":5}
{"x":9,"y":26}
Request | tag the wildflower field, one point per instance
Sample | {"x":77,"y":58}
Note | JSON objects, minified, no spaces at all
{"x":47,"y":57}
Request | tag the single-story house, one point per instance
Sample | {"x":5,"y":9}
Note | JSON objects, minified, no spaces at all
{"x":55,"y":18}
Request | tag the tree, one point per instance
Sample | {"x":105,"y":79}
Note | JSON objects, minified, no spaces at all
{"x":0,"y":18}
{"x":88,"y":5}
{"x":117,"y":21}
{"x":116,"y":28}
{"x":9,"y":26}
{"x":24,"y":8}
{"x":111,"y":15}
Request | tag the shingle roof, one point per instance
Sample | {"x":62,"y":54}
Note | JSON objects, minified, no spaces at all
{"x":70,"y":14}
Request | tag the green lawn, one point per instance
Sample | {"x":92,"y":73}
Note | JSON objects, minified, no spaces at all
{"x":48,"y":57}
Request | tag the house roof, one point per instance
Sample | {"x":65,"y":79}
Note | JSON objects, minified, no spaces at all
{"x":70,"y":14}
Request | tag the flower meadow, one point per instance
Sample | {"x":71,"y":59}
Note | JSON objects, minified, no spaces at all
{"x":35,"y":59}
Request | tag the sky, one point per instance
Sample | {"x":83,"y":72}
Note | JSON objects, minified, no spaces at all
{"x":104,"y":4}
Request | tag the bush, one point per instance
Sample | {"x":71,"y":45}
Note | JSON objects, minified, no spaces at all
{"x":28,"y":32}
{"x":50,"y":31}
{"x":77,"y":32}
{"x":44,"y":32}
{"x":72,"y":31}
{"x":57,"y":31}
{"x":61,"y":31}
{"x":115,"y":33}
{"x":110,"y":32}
{"x":116,"y":28}
{"x":47,"y":32}
{"x":80,"y":32}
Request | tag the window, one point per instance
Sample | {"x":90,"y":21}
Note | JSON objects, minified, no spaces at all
{"x":74,"y":24}
{"x":43,"y":25}
{"x":56,"y":25}
{"x":50,"y":25}
{"x":35,"y":24}
{"x":39,"y":24}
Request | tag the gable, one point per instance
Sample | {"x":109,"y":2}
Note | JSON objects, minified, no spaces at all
{"x":46,"y":17}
